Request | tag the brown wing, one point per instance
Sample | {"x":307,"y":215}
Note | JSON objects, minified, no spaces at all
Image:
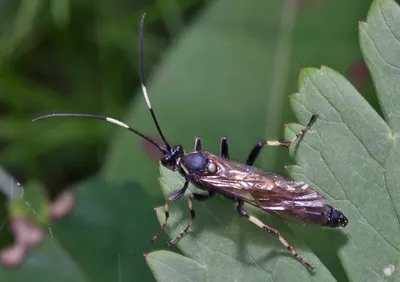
{"x":292,"y":200}
{"x":271,"y":192}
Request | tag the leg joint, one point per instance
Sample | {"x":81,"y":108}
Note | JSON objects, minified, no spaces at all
{"x":273,"y":231}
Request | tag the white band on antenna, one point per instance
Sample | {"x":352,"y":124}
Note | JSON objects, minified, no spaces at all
{"x":146,"y":97}
{"x":117,"y":122}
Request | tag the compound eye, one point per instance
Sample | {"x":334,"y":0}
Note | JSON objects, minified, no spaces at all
{"x":211,"y":167}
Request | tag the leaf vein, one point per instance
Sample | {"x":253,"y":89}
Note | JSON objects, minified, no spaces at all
{"x":390,"y":96}
{"x":386,"y":23}
{"x":312,"y":148}
{"x":356,"y":207}
{"x":170,"y":267}
{"x":389,"y":195}
{"x":351,"y":131}
{"x":220,"y":225}
{"x":358,"y":250}
{"x":225,"y":255}
{"x":381,"y":165}
{"x":379,"y":53}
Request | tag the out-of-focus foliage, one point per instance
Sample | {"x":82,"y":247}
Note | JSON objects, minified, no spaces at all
{"x":73,"y":56}
{"x":223,"y":68}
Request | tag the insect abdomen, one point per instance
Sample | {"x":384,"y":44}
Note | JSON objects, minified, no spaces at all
{"x":335,"y":217}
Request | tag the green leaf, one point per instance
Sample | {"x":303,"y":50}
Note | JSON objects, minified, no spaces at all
{"x":343,"y":156}
{"x":350,"y":155}
{"x":101,"y":239}
{"x":379,"y":39}
{"x":234,"y":49}
{"x":230,"y":248}
{"x":165,"y":266}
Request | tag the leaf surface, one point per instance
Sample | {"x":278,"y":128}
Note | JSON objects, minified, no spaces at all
{"x":101,"y":239}
{"x":350,"y":155}
{"x":230,"y":248}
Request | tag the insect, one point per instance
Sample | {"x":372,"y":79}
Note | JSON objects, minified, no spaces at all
{"x":239,"y":182}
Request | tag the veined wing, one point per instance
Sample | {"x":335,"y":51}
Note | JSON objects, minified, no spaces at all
{"x":269,"y":191}
{"x":292,"y":200}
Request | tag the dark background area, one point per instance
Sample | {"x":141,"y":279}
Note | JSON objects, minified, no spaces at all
{"x":81,"y":57}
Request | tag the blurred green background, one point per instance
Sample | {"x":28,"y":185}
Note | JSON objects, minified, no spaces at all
{"x":214,"y":68}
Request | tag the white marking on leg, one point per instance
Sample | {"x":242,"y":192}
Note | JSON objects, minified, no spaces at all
{"x":273,"y":143}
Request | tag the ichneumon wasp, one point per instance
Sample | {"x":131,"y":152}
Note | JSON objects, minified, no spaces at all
{"x":239,"y":182}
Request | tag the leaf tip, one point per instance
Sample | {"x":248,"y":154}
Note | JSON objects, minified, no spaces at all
{"x":146,"y":256}
{"x":303,"y":74}
{"x":362,"y":25}
{"x":293,"y":96}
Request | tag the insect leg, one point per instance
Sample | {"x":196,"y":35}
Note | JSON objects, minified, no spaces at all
{"x":176,"y":196}
{"x":224,"y":148}
{"x":197,"y":197}
{"x":275,"y":232}
{"x":257,"y":148}
{"x":197,"y":144}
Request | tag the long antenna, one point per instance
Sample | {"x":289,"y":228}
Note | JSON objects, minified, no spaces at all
{"x":120,"y":123}
{"x":108,"y":119}
{"x":143,"y":84}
